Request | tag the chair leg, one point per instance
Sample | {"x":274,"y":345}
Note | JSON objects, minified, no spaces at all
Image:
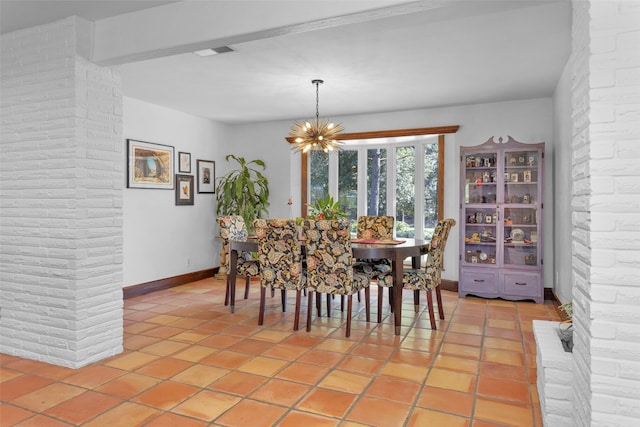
{"x":391,"y":299}
{"x":358,"y":297}
{"x":296,"y":319}
{"x":263,"y":293}
{"x":227,"y":291}
{"x":342,"y":303}
{"x":380,"y":295}
{"x":432,"y":317}
{"x":273,"y":292}
{"x":349,"y":304}
{"x":309,"y":305}
{"x":329,"y":301}
{"x":416,"y":300}
{"x":246,"y":286}
{"x":283,"y":293}
{"x":318,"y":302}
{"x":367,"y":301}
{"x":439,"y":299}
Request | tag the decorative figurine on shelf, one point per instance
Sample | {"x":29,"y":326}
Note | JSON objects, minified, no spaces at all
{"x":486,"y":177}
{"x":526,"y":176}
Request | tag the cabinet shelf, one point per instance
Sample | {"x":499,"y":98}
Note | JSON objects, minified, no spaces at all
{"x":511,"y":189}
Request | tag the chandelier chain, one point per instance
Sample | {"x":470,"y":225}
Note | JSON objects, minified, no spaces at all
{"x":317,"y":102}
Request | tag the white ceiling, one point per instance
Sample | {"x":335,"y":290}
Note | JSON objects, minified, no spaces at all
{"x":462,"y":52}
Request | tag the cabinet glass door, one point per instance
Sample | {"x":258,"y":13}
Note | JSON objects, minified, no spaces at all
{"x":481,"y":178}
{"x":520,"y":236}
{"x":480,"y":235}
{"x":521,"y":177}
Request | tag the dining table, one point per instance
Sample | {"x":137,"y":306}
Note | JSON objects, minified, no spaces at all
{"x":396,"y":250}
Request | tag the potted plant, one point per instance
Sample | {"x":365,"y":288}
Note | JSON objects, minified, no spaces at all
{"x":566,"y":327}
{"x":243,"y":191}
{"x":326,"y":208}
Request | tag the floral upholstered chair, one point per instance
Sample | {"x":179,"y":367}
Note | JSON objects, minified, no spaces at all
{"x":376,"y":227}
{"x":280,"y":261}
{"x":330,"y":264}
{"x":429,"y":278}
{"x":233,"y":227}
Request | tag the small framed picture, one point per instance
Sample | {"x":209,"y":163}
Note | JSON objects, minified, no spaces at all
{"x":526,"y":176}
{"x":184,"y":190}
{"x":206,"y":176}
{"x":514,"y":177}
{"x":184,"y":162}
{"x":531,"y":161}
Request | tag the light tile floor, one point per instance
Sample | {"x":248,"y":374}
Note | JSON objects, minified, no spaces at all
{"x":189,"y":362}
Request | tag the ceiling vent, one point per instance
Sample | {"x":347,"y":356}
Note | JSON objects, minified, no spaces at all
{"x":213,"y":51}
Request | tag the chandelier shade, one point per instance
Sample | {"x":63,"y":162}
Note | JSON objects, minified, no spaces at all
{"x":316,"y":134}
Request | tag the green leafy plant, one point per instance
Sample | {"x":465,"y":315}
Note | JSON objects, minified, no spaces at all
{"x":326,"y":208}
{"x":243,"y":191}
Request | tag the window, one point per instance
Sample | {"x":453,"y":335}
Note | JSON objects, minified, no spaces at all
{"x":358,"y":178}
{"x":368,"y":176}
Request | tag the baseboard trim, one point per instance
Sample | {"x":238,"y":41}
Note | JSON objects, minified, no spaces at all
{"x":169,"y":282}
{"x":449,"y":285}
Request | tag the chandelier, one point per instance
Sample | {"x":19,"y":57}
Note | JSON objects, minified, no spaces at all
{"x":320,"y":135}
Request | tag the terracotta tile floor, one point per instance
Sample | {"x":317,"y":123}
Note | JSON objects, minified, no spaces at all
{"x":189,"y":362}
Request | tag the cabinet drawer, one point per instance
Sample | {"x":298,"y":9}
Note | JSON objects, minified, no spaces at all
{"x":522,"y":284}
{"x":479,"y":281}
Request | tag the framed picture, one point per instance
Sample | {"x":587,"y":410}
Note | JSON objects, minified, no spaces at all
{"x":184,"y":190}
{"x":206,"y":176}
{"x":526,"y":176}
{"x":184,"y":162}
{"x":149,"y":165}
{"x":514,"y":177}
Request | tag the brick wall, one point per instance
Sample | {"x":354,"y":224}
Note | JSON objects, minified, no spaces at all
{"x":606,"y":206}
{"x":61,"y":177}
{"x":554,"y":375}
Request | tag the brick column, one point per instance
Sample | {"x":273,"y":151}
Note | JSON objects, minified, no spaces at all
{"x":61,"y":194}
{"x":606,"y":208}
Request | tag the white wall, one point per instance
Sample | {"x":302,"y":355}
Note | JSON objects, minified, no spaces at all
{"x":161,"y":239}
{"x":562,"y":161}
{"x":528,"y":121}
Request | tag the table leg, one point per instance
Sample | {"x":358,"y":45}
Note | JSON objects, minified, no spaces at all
{"x":396,"y":266}
{"x":231,"y":277}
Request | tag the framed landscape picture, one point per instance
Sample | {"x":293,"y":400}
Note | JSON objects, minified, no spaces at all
{"x":206,"y":176}
{"x":149,"y":165}
{"x":184,"y":190}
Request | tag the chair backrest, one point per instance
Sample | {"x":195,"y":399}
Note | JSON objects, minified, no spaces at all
{"x":232,"y":227}
{"x":329,"y":257}
{"x":279,"y":253}
{"x":375,"y":227}
{"x":435,"y":256}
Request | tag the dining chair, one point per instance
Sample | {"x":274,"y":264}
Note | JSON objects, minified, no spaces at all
{"x":429,"y":278}
{"x":280,"y":262}
{"x":233,"y":227}
{"x":330,"y":265}
{"x":375,"y":227}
